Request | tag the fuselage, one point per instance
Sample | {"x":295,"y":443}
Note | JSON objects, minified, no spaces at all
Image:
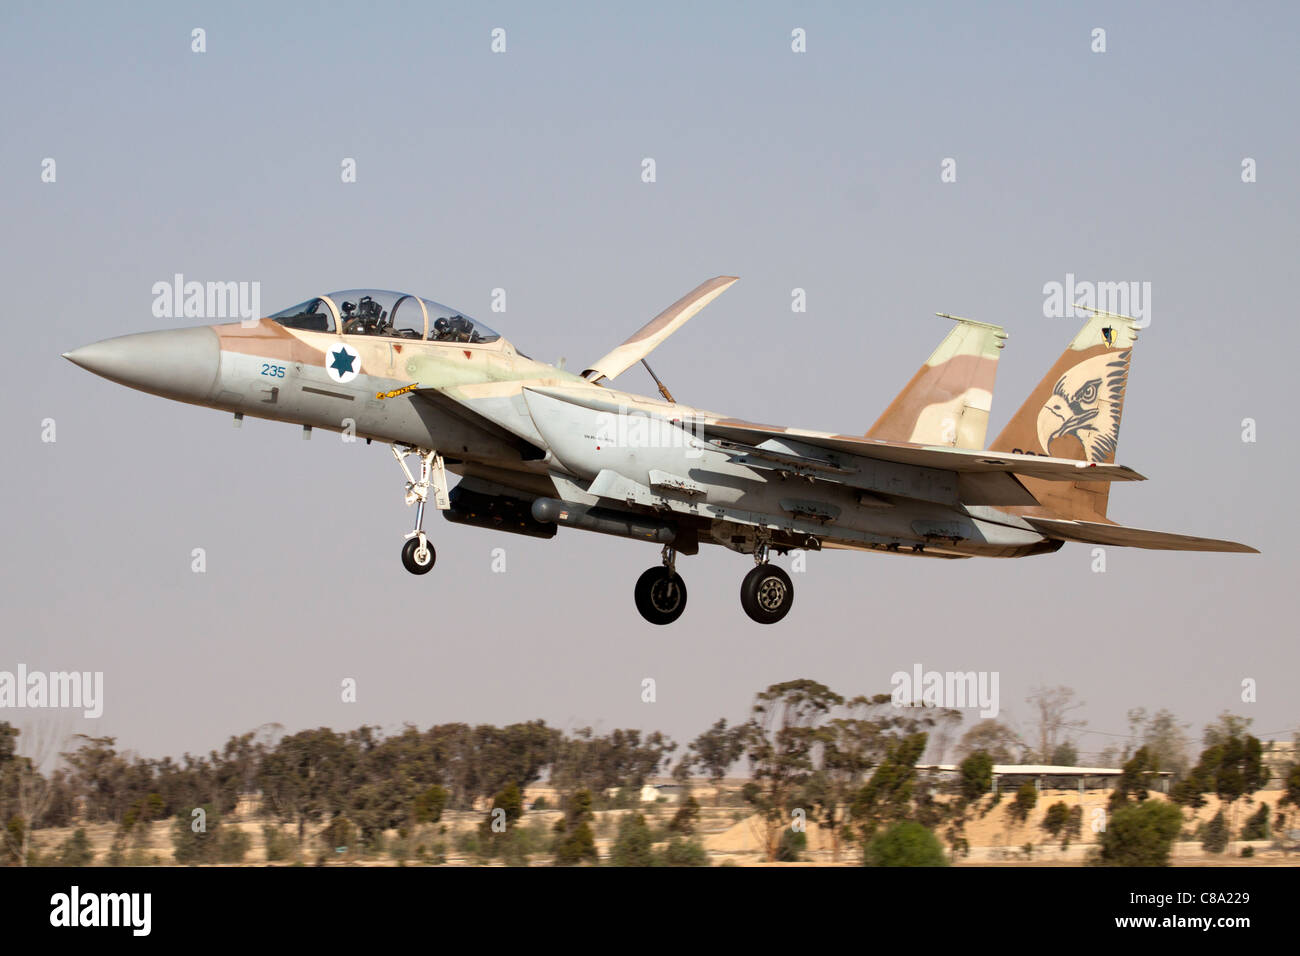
{"x":538,"y":431}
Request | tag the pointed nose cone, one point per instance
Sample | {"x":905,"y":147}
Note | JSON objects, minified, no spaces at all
{"x":182,"y":364}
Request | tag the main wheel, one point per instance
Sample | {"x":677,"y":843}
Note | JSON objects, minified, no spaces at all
{"x":418,"y":560}
{"x":766,"y":594}
{"x":660,"y":595}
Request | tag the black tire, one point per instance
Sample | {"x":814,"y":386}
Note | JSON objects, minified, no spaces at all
{"x":409,"y":560}
{"x":767,"y":594}
{"x":660,"y":595}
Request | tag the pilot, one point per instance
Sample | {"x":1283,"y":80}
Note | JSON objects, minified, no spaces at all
{"x":370,"y":318}
{"x":460,"y":328}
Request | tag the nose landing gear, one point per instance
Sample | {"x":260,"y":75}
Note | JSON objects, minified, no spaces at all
{"x":660,"y":592}
{"x":766,"y":593}
{"x":418,"y":555}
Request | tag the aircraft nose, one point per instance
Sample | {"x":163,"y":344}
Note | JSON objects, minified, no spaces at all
{"x":182,"y":364}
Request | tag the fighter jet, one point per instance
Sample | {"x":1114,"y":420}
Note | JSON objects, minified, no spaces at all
{"x":537,"y":447}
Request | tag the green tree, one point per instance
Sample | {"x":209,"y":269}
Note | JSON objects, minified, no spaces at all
{"x":1132,"y":779}
{"x":232,"y":845}
{"x":632,"y":846}
{"x":886,"y":798}
{"x":507,"y":807}
{"x":681,"y":852}
{"x":1165,"y":739}
{"x":782,"y":740}
{"x":717,"y":749}
{"x":975,"y":776}
{"x":1056,"y":819}
{"x":792,"y":844}
{"x":1256,"y":827}
{"x":1291,"y":786}
{"x":622,"y":758}
{"x":1065,"y":755}
{"x":1025,"y":800}
{"x":575,"y":842}
{"x":1224,"y":728}
{"x":1000,"y":742}
{"x":1215,"y":837}
{"x":339,"y":835}
{"x":75,"y":850}
{"x":307,"y":776}
{"x":194,"y":838}
{"x":279,"y":845}
{"x":1231,"y":766}
{"x":429,"y":804}
{"x":686,"y":818}
{"x":906,"y":843}
{"x":1063,"y":822}
{"x":1140,"y":834}
{"x":856,"y":740}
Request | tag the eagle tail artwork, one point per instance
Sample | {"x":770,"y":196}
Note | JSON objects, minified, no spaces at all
{"x":1074,"y":412}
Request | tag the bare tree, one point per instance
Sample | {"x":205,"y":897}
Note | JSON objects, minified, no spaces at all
{"x":37,"y":742}
{"x":1052,"y":707}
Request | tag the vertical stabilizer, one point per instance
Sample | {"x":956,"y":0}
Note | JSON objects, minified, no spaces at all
{"x":1074,"y":412}
{"x":947,"y":402}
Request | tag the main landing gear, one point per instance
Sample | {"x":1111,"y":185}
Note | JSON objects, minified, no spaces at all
{"x":418,"y":555}
{"x":766,"y":593}
{"x":660,"y":592}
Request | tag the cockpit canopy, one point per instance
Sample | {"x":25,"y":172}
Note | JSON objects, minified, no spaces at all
{"x":389,"y":314}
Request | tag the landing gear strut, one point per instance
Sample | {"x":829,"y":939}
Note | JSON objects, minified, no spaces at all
{"x":766,"y":593}
{"x":660,"y":592}
{"x":418,"y":555}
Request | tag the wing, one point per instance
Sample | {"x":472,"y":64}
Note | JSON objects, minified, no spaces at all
{"x":647,"y":338}
{"x":1092,"y":532}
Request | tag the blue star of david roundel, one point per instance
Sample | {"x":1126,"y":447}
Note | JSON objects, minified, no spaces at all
{"x":343,"y":363}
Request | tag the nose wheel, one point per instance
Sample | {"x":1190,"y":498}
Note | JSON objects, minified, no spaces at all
{"x":660,"y":592}
{"x":766,"y":593}
{"x":418,"y":555}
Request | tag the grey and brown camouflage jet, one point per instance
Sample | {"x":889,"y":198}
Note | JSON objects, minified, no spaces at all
{"x":538,"y":447}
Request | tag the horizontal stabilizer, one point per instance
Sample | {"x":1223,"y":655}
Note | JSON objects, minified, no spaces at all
{"x":1093,"y":532}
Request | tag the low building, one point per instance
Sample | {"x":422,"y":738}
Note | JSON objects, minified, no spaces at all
{"x":1010,"y":776}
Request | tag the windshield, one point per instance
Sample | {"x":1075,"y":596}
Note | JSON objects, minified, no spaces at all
{"x":312,"y":316}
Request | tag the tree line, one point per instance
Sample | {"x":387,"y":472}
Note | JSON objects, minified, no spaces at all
{"x":847,"y":764}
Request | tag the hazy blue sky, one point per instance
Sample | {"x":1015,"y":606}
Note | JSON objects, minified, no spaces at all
{"x":522,"y":170}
